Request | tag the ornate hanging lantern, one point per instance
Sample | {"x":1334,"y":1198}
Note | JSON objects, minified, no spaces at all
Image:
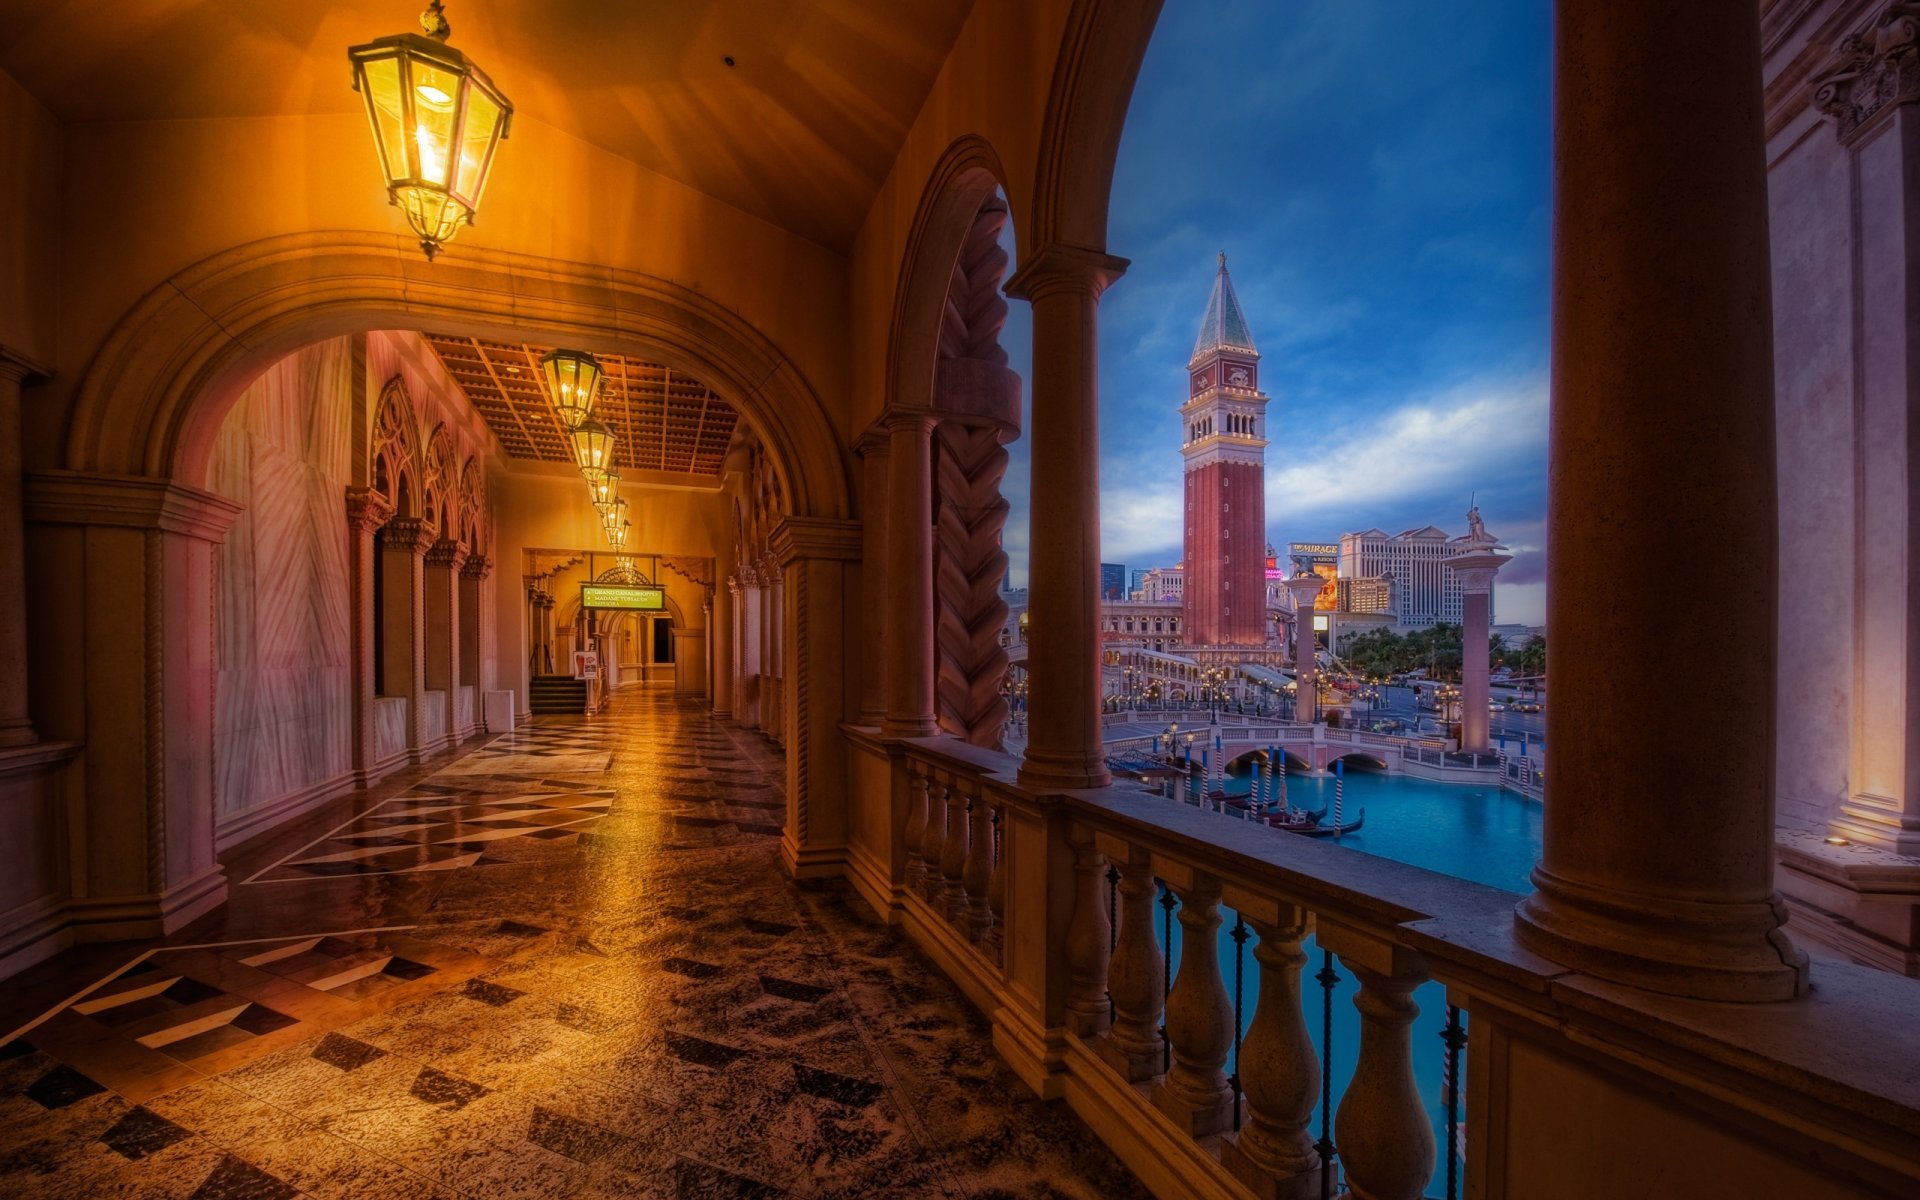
{"x":593,"y":449}
{"x":612,"y":511}
{"x":437,"y":120}
{"x":617,"y":535}
{"x":573,"y":380}
{"x":604,"y":488}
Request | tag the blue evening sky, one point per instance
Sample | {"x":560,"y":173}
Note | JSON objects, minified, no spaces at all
{"x":1377,"y":172}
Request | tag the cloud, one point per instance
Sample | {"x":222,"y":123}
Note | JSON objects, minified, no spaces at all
{"x":1473,"y":434}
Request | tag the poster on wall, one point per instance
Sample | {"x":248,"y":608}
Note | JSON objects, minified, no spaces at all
{"x":586,"y":664}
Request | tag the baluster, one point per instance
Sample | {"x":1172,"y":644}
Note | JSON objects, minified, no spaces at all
{"x":1384,"y":1136}
{"x":953,"y":855}
{"x":1455,"y":1038}
{"x":1089,"y":942}
{"x":1132,"y":1046}
{"x":916,"y":823}
{"x":934,"y":842}
{"x":997,"y":884}
{"x":1274,"y":1153}
{"x":1195,"y":1092}
{"x":978,"y":867}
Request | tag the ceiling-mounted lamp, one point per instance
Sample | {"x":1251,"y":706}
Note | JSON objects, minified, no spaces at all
{"x":593,"y":449}
{"x":574,"y":379}
{"x":617,"y":535}
{"x":604,"y":488}
{"x":437,"y":120}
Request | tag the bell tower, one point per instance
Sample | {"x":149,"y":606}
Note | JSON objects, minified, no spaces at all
{"x":1225,"y":600}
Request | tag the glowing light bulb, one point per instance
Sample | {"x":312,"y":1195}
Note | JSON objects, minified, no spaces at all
{"x":433,"y":96}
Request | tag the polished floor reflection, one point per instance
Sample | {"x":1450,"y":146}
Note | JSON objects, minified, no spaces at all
{"x":564,"y":965}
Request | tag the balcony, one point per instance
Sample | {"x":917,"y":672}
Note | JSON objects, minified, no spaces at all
{"x":1087,"y":926}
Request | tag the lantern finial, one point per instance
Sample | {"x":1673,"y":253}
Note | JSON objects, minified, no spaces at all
{"x":434,"y":21}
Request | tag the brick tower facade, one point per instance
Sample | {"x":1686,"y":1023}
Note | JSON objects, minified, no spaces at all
{"x":1225,"y":602}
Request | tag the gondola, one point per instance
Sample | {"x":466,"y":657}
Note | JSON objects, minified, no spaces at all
{"x":1331,"y":830}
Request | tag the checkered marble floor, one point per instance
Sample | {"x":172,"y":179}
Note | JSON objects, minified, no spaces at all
{"x":521,"y":981}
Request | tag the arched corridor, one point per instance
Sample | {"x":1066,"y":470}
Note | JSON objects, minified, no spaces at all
{"x":563,"y":964}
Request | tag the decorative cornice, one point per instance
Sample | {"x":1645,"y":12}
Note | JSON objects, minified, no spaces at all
{"x":816,"y":537}
{"x":1872,"y":71}
{"x":697,"y":571}
{"x":367,"y":510}
{"x":1055,"y":267}
{"x":128,"y":501}
{"x":447,"y":553}
{"x":406,"y":533}
{"x":19,"y":367}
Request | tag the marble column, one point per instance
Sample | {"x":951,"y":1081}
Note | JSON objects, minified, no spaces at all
{"x":1661,"y":447}
{"x":441,"y":593}
{"x":367,"y":511}
{"x":874,"y":547}
{"x":1476,"y":563}
{"x":473,"y":575}
{"x":818,"y":560}
{"x":726,"y":624}
{"x":1306,"y":664}
{"x":403,"y":547}
{"x":16,"y":723}
{"x":1063,"y":285}
{"x":909,"y":622}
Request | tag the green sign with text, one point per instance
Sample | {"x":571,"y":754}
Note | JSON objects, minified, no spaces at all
{"x":622,"y":595}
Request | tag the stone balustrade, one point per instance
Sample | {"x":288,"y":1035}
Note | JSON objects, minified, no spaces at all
{"x":1058,"y":914}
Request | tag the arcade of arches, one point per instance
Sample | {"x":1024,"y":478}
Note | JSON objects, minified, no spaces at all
{"x":304,"y":779}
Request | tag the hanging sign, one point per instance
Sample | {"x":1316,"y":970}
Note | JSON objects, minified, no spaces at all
{"x":623,"y":596}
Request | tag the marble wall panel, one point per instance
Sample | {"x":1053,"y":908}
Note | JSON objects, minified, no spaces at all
{"x":389,"y":727}
{"x":283,"y":711}
{"x":464,"y":706}
{"x":433,"y":717}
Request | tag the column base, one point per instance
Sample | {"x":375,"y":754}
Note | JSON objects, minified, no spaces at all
{"x":1133,"y":1066}
{"x":812,"y":862}
{"x":1043,"y":772}
{"x":1735,"y":952}
{"x":910,"y":729}
{"x":14,"y":736}
{"x":1270,"y":1178}
{"x":124,"y":918}
{"x":1196,"y":1116}
{"x":1879,"y":821}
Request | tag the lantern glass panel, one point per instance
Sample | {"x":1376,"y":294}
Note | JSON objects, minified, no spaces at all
{"x":387,"y":111}
{"x":476,"y":143}
{"x":604,"y":489}
{"x":436,"y":91}
{"x":593,"y":446}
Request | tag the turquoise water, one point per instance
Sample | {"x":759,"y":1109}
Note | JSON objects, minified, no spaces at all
{"x":1478,"y":833}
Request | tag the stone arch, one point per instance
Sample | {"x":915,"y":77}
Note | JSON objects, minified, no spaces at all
{"x":473,"y":504}
{"x":1093,"y":79}
{"x":945,"y":357}
{"x":394,"y":457}
{"x":1358,"y":761}
{"x":439,"y":487}
{"x":156,"y":391}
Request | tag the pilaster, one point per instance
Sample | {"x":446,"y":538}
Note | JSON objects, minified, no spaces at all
{"x":819,"y":560}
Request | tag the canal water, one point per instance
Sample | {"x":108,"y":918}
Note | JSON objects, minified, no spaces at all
{"x":1479,"y":833}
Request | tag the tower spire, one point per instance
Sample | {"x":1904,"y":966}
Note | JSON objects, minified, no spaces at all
{"x":1225,"y":326}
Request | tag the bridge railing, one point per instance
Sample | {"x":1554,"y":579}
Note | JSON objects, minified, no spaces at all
{"x":1059,"y":915}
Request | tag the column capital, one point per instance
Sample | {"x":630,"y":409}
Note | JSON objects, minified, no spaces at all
{"x":1056,"y":267}
{"x":902,"y":419}
{"x":1872,"y":71}
{"x":1476,"y":570}
{"x":18,"y":367}
{"x":367,"y":510}
{"x":816,"y":537}
{"x":447,"y":553}
{"x":874,"y":442}
{"x":129,"y":501}
{"x":406,"y":533}
{"x":477,"y":566}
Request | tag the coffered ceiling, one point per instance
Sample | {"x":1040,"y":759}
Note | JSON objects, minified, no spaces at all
{"x":801,"y":130}
{"x":662,"y":420}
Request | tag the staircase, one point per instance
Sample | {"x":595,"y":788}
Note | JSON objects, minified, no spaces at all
{"x":557,"y":694}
